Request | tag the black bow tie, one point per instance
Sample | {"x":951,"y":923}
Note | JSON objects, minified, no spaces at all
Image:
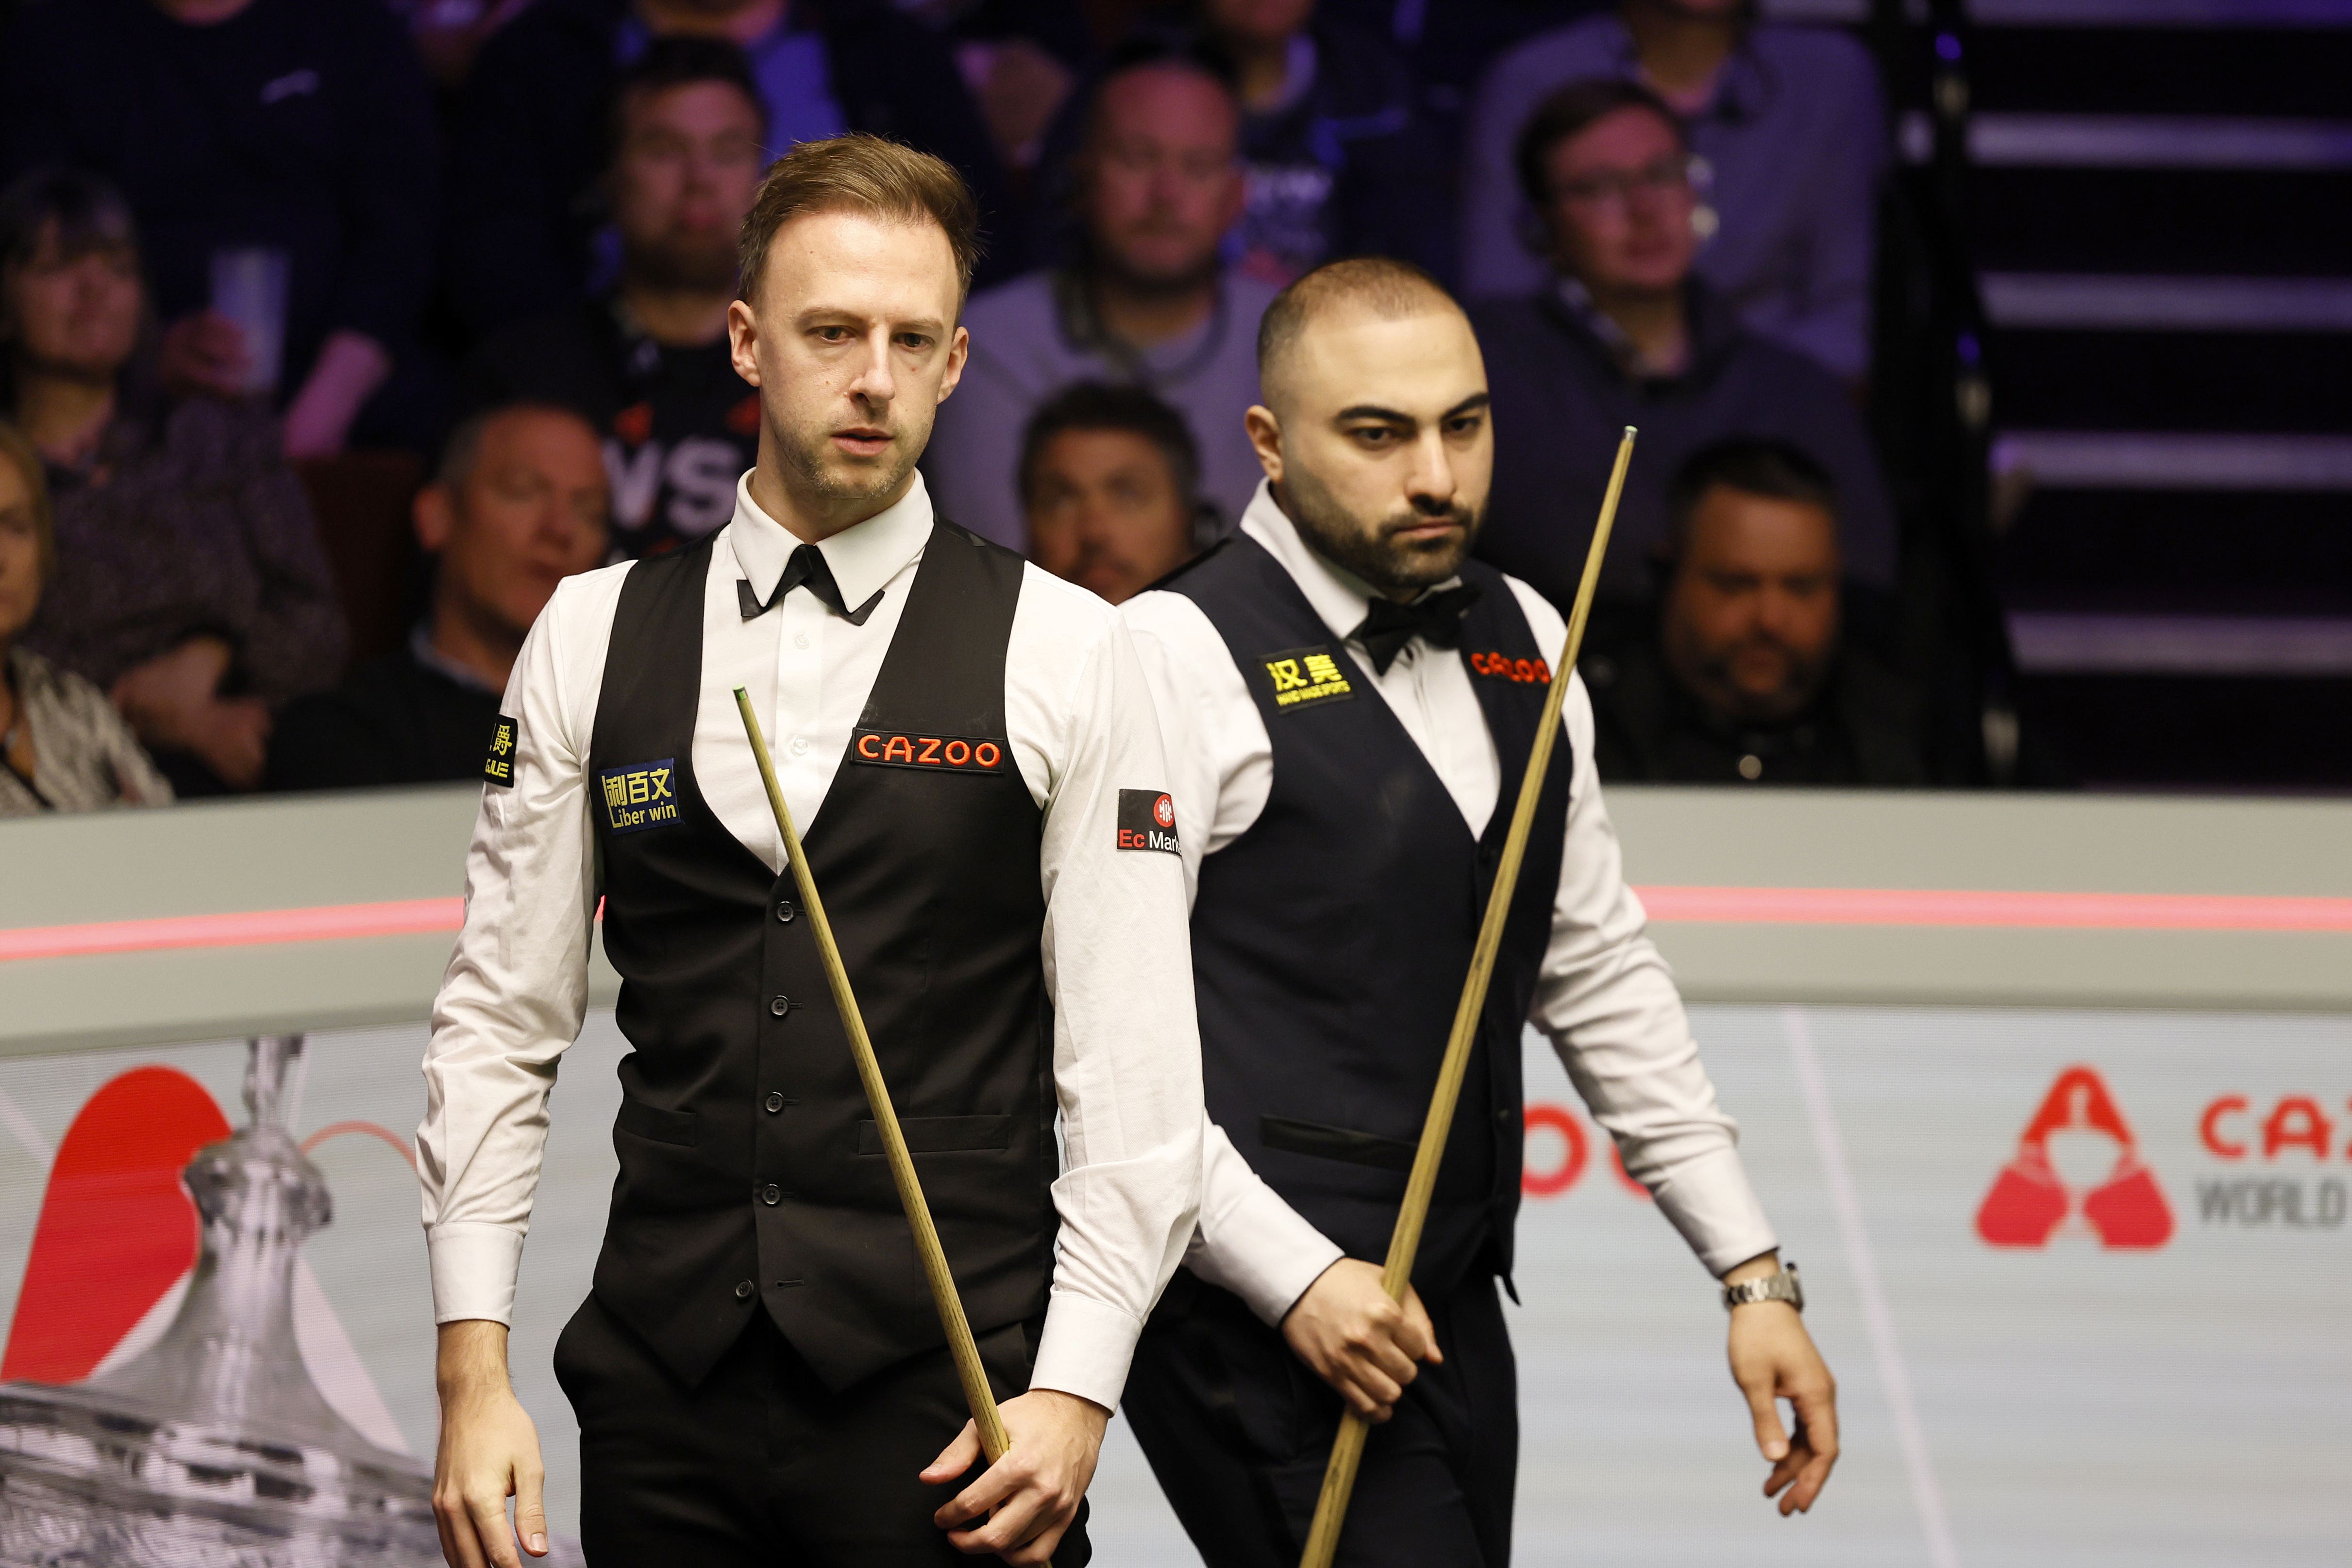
{"x":806,"y":566}
{"x":1434,"y":616}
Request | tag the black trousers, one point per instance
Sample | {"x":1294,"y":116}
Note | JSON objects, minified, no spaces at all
{"x":1238,"y":1431}
{"x":761,"y":1464}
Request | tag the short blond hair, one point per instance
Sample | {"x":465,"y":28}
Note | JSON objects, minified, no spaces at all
{"x":17,"y":448}
{"x":860,"y":174}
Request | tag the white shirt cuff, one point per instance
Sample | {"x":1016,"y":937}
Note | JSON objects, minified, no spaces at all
{"x":1264,"y":1251}
{"x":474,"y":1269}
{"x":1710,"y":1201}
{"x":1085,"y":1349}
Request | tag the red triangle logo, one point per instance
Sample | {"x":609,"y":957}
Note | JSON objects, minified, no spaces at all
{"x":2030,"y":1199}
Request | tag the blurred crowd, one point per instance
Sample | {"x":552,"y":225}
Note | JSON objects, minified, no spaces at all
{"x":333,"y":333}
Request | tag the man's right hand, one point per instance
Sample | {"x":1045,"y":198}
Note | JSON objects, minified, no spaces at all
{"x":1359,"y":1342}
{"x":489,"y":1451}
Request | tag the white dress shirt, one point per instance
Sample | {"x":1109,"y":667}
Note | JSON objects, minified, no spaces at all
{"x":1116,"y":947}
{"x":1603,"y":997}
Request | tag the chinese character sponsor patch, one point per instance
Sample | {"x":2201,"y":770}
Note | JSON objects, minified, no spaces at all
{"x":936,"y":753}
{"x":640,"y":796}
{"x":1147,"y":820}
{"x":1304,"y":677}
{"x":499,"y":766}
{"x":1518,"y":671}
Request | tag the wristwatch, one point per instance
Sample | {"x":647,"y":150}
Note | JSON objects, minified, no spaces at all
{"x":1783,"y":1286}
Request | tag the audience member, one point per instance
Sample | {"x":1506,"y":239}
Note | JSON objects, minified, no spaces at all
{"x":1336,"y":157}
{"x":1110,"y":480}
{"x":647,"y":362}
{"x":1748,"y":679}
{"x":190,"y":584}
{"x":1625,"y":335}
{"x":1789,"y":123}
{"x":523,"y":215}
{"x":519,"y":504}
{"x":62,"y":745}
{"x":1156,"y":185}
{"x":279,"y":154}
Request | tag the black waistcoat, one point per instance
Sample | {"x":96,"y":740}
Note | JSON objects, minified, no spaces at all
{"x":1330,"y":941}
{"x":751,"y":1172}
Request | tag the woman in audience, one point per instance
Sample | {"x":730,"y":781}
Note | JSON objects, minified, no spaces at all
{"x":189,"y":582}
{"x":62,"y":747}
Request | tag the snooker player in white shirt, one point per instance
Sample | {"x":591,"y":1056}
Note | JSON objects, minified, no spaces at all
{"x":966,"y":742}
{"x":1349,"y":701}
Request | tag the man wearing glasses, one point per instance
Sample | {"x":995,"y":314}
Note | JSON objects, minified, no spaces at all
{"x":1625,"y":334}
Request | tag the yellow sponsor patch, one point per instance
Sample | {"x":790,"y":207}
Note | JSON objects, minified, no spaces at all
{"x":641,"y":796}
{"x":499,"y":766}
{"x":1303,"y":676}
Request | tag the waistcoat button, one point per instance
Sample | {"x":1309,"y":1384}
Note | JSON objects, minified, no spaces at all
{"x":771,"y":1193}
{"x":775,"y":1099}
{"x":744,"y":1289}
{"x":781,"y":1005}
{"x":784,"y":911}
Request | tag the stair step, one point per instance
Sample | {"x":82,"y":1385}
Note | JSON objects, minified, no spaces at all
{"x":2020,"y":140}
{"x":2179,"y":552}
{"x":2155,"y":69}
{"x":2127,"y":302}
{"x":2176,"y":731}
{"x":2242,"y":223}
{"x":2060,"y":642}
{"x":2175,"y":460}
{"x":2208,"y":384}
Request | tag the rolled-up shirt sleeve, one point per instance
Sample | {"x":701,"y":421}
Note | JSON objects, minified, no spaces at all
{"x":516,"y":987}
{"x":1607,"y":1001}
{"x":1126,"y":1054}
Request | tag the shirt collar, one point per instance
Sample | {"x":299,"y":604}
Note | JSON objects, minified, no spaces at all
{"x":421,"y":649}
{"x":863,"y":557}
{"x":1340,"y":598}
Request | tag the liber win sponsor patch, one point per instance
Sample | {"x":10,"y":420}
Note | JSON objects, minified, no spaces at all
{"x":933,"y":754}
{"x":1147,"y":820}
{"x":499,"y":766}
{"x":1306,"y":678}
{"x":640,"y":796}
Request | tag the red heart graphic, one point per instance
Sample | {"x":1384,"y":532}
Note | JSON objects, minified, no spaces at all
{"x":117,"y":1230}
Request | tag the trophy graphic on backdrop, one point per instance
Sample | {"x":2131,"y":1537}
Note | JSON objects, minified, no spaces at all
{"x":215,"y":1445}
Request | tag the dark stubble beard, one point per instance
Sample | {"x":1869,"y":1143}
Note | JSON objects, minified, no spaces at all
{"x":1373,"y":551}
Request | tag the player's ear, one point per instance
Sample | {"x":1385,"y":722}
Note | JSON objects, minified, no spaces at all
{"x":958,"y":353}
{"x":1264,"y":428}
{"x":742,"y":341}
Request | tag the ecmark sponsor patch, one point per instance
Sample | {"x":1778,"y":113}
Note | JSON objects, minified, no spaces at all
{"x":1147,"y":820}
{"x":1303,"y":676}
{"x":1518,"y":671}
{"x":499,"y":766}
{"x":936,"y":753}
{"x":640,"y":796}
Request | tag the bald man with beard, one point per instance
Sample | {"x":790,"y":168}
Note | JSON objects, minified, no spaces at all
{"x":1349,"y":701}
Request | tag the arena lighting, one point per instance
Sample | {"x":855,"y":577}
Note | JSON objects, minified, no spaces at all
{"x":1667,"y":906}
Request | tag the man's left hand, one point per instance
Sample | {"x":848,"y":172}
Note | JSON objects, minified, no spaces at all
{"x":1772,"y":1359}
{"x":1032,"y":1493}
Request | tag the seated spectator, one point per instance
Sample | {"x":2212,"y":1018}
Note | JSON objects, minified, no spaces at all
{"x":190,"y":585}
{"x":1336,"y":156}
{"x":1148,"y":303}
{"x":62,"y":745}
{"x":519,"y":504}
{"x":647,"y":362}
{"x":526,"y":156}
{"x":1790,"y":121}
{"x":1110,"y":480}
{"x":1748,"y":679}
{"x":302,"y":127}
{"x":1625,"y":335}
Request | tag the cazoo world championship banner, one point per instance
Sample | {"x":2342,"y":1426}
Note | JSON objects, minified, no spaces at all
{"x":2083,"y":1278}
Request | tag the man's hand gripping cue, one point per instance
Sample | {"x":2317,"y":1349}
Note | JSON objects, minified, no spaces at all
{"x":1772,"y":1359}
{"x":488,"y":1452}
{"x":1354,"y":1338}
{"x":1031,"y":1494}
